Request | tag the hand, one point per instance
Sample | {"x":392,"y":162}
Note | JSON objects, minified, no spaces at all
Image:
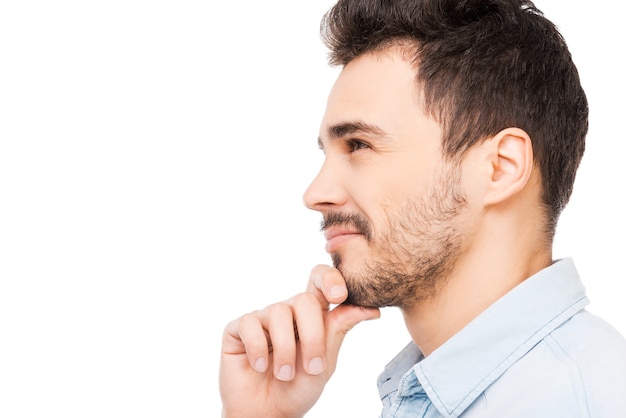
{"x":276,"y":361}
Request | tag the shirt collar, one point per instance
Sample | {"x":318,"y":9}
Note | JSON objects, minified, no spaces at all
{"x":389,"y":379}
{"x":457,"y":372}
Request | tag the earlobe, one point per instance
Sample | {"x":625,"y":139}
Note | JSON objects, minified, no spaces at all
{"x":512,"y":164}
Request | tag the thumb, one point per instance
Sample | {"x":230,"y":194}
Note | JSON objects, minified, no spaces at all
{"x":341,"y":320}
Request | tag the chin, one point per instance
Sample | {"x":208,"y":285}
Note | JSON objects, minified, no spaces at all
{"x":350,"y":261}
{"x":346,"y":267}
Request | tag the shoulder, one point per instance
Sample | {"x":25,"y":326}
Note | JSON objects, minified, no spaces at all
{"x":595,"y":353}
{"x":578,"y":370}
{"x":589,"y":338}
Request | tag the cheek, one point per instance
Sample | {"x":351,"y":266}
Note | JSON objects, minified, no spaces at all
{"x":375,"y":192}
{"x":383,"y":207}
{"x":400,"y":187}
{"x":382,"y":192}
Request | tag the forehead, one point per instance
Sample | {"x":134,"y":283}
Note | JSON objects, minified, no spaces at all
{"x":377,"y":88}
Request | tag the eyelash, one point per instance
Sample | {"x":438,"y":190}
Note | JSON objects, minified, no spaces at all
{"x":355,"y":145}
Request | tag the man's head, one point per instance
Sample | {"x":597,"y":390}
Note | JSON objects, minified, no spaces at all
{"x":482,"y":66}
{"x":423,"y":84}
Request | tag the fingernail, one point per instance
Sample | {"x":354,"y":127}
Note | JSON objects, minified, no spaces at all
{"x":284,"y":373}
{"x":316,"y":366}
{"x":337,"y":291}
{"x":260,"y":365}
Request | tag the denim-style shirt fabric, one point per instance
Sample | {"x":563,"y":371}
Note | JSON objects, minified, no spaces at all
{"x":535,"y":353}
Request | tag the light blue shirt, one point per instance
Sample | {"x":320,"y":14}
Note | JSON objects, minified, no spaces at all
{"x":534,"y":353}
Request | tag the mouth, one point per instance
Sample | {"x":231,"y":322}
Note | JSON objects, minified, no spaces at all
{"x":336,"y":237}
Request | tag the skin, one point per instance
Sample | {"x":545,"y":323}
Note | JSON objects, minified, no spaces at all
{"x":373,"y":173}
{"x":384,"y":165}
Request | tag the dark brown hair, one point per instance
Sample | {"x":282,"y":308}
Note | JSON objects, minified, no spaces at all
{"x":482,"y":66}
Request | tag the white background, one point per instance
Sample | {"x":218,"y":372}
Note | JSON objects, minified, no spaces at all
{"x":153,"y":155}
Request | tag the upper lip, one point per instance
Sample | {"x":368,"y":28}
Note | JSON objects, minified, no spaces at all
{"x":335,"y":231}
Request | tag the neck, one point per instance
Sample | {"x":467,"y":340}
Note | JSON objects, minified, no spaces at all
{"x":486,"y":272}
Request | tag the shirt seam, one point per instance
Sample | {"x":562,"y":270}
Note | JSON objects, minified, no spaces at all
{"x":574,"y":370}
{"x":498,"y":370}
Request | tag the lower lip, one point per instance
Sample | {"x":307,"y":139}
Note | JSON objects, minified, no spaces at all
{"x":333,"y":244}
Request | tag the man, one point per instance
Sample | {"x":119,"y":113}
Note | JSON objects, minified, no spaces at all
{"x":451,"y":137}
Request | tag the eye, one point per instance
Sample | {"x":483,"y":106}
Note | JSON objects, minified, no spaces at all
{"x":355,"y":145}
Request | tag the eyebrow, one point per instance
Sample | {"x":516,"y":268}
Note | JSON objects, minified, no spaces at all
{"x":343,"y":129}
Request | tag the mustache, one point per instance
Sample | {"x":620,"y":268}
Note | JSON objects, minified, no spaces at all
{"x":353,"y":220}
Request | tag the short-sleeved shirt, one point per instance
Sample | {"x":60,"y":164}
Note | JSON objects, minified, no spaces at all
{"x":534,"y":353}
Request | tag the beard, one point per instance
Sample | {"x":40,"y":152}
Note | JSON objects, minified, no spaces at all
{"x":414,"y":256}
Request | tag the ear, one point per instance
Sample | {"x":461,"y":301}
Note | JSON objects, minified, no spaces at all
{"x":511,"y":158}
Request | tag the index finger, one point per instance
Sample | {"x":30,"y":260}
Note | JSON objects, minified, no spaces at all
{"x":327,"y":284}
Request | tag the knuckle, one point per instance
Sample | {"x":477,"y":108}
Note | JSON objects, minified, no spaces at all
{"x":318,"y":272}
{"x":312,"y":340}
{"x":305,"y":300}
{"x":278,"y":309}
{"x":320,"y":268}
{"x":248,"y":319}
{"x":331,"y":274}
{"x":339,"y":321}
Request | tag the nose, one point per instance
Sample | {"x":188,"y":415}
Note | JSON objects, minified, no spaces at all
{"x":326,"y":190}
